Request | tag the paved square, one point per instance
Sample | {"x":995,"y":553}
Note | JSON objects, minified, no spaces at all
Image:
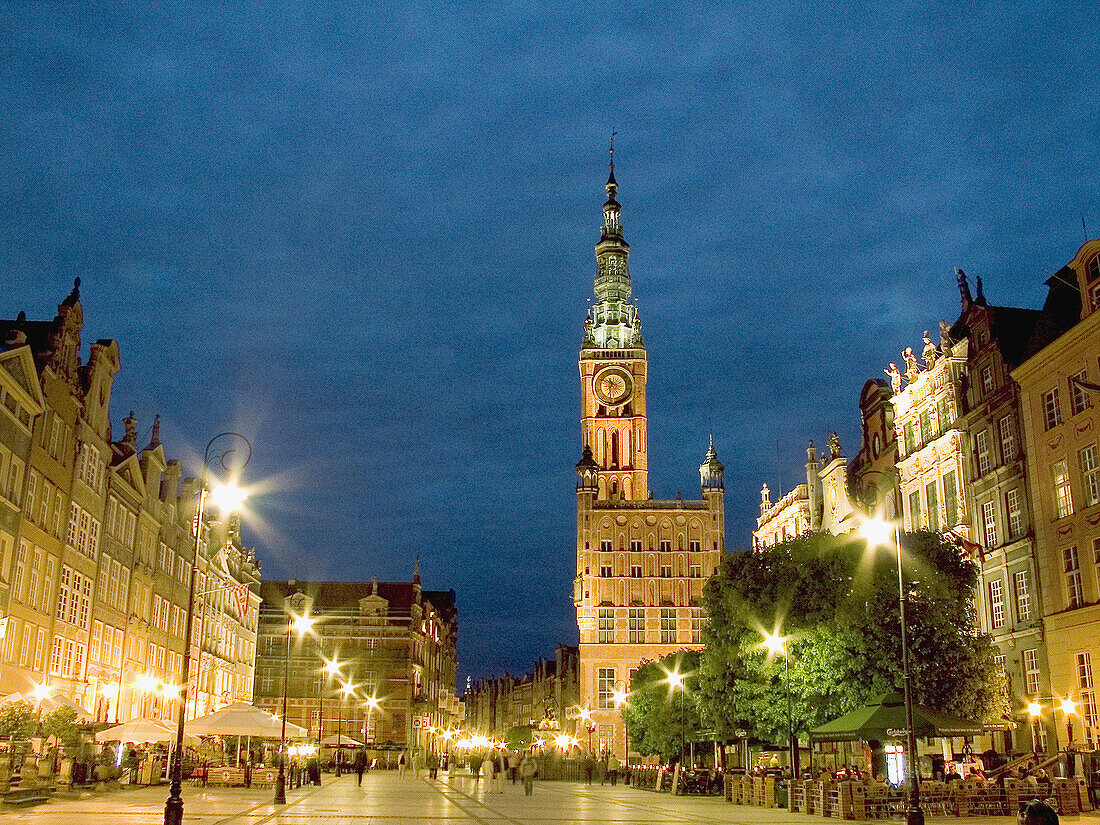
{"x":386,"y":799}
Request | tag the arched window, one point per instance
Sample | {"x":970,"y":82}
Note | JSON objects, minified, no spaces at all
{"x":614,"y":449}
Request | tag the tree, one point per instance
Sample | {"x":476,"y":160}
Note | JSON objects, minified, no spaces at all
{"x":60,"y":723}
{"x":836,"y":603}
{"x":17,"y":720}
{"x":658,"y":716}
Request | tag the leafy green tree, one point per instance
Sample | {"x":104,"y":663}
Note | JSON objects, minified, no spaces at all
{"x":836,"y":603}
{"x":659,"y":716}
{"x":60,"y":723}
{"x":17,"y":720}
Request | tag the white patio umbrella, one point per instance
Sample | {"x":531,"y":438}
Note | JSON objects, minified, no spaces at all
{"x":345,"y":741}
{"x":139,"y":731}
{"x":49,"y":703}
{"x":243,"y":719}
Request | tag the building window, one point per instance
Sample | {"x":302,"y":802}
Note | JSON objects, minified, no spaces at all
{"x":605,"y":687}
{"x":987,"y":379}
{"x":1072,"y":570}
{"x":1052,"y":411}
{"x":914,"y":509}
{"x":1023,"y":595}
{"x":697,"y":619}
{"x":1063,"y":497}
{"x":933,"y":506}
{"x":1088,"y":697}
{"x":666,"y":571}
{"x":635,"y":546}
{"x":981,"y":451}
{"x":1007,"y":432}
{"x":989,"y":524}
{"x":637,"y":626}
{"x":1090,"y":474}
{"x":694,"y":546}
{"x":666,"y":546}
{"x":668,"y":626}
{"x":996,"y":604}
{"x":1079,"y":400}
{"x":910,"y":438}
{"x":1031,"y":670}
{"x":636,"y":571}
{"x":607,"y":625}
{"x":1000,"y":660}
{"x":605,"y":546}
{"x":950,"y":498}
{"x":695,"y":571}
{"x":945,"y":414}
{"x":1015,"y":513}
{"x":926,"y":432}
{"x":605,"y":571}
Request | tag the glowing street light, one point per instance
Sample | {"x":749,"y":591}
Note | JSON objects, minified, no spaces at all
{"x":331,"y":668}
{"x":777,"y":645}
{"x":677,"y":681}
{"x":878,"y":532}
{"x":41,"y":692}
{"x":302,"y":625}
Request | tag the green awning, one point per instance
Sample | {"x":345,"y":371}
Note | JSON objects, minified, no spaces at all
{"x":884,"y":719}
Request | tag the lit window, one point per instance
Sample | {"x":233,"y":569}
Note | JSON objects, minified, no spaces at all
{"x":1063,"y":497}
{"x":1008,"y":438}
{"x":636,"y":571}
{"x":933,"y":506}
{"x":635,"y":546}
{"x":694,"y":546}
{"x":637,"y":625}
{"x":607,"y":625}
{"x":666,"y":546}
{"x":987,"y":380}
{"x":989,"y":524}
{"x":666,"y":571}
{"x":697,"y":619}
{"x":668,"y":626}
{"x":950,"y":498}
{"x":981,"y":450}
{"x":695,"y":571}
{"x":1031,"y":671}
{"x":1015,"y":513}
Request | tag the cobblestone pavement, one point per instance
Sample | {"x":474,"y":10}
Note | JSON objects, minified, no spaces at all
{"x":386,"y":799}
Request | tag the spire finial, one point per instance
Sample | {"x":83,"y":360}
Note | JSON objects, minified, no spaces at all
{"x":611,"y":184}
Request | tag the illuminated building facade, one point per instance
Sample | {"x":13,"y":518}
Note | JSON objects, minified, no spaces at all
{"x":1059,"y":381}
{"x":641,"y":563}
{"x":96,"y":539}
{"x":395,"y":642}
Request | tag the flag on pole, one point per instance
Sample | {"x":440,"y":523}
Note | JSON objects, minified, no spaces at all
{"x":239,"y":597}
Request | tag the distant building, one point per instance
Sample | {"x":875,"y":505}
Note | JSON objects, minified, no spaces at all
{"x":395,"y":642}
{"x":97,"y":544}
{"x":1059,"y":388}
{"x":641,"y":563}
{"x":545,"y":697}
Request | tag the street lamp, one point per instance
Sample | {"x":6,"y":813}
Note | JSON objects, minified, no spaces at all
{"x":1035,"y":710}
{"x":372,"y":706}
{"x":232,"y":457}
{"x":589,"y":725}
{"x":879,"y":532}
{"x":676,"y":681}
{"x":619,"y":697}
{"x":301,"y":625}
{"x":777,"y":645}
{"x":332,"y":668}
{"x":346,"y":690}
{"x":1069,"y":707}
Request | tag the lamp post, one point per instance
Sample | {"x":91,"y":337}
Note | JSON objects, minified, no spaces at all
{"x":778,"y":645}
{"x":331,"y":668}
{"x":346,"y":690}
{"x":878,"y":532}
{"x":232,"y":451}
{"x":676,"y":681}
{"x":619,"y":697}
{"x":1069,"y":707}
{"x":300,"y":624}
{"x":1035,"y":711}
{"x":372,"y":706}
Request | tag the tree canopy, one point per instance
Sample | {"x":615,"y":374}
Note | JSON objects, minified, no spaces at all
{"x":17,"y":720}
{"x":836,"y":604}
{"x":660,"y":717}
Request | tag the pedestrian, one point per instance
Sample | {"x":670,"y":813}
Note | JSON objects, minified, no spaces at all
{"x":527,"y":768}
{"x":433,"y":765}
{"x":360,"y":766}
{"x":402,"y":763}
{"x":1038,"y":813}
{"x":487,"y":774}
{"x":604,"y":767}
{"x":612,"y":769}
{"x":589,"y":766}
{"x":418,"y":762}
{"x":498,"y":772}
{"x":450,"y":766}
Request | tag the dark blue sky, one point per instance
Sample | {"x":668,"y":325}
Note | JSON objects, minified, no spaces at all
{"x":362,"y":234}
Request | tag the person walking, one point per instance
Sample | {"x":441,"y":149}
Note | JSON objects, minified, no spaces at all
{"x":612,"y":769}
{"x":487,"y":774}
{"x":433,"y":765}
{"x":402,"y":764}
{"x":527,"y":768}
{"x":498,"y":772}
{"x":589,"y":765}
{"x":360,"y":766}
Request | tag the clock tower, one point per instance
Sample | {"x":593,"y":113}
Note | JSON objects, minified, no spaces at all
{"x":613,"y":368}
{"x":641,"y":563}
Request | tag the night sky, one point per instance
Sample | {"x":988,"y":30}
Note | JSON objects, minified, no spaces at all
{"x":363,"y":235}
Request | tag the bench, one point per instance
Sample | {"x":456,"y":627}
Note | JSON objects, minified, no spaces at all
{"x":28,"y":796}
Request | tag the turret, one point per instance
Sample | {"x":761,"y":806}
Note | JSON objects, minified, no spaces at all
{"x":712,"y":472}
{"x":813,"y":486}
{"x":588,"y":472}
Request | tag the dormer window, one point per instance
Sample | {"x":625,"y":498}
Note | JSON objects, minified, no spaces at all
{"x":1092,"y":268}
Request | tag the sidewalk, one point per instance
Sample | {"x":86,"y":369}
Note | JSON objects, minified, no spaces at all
{"x":386,"y":799}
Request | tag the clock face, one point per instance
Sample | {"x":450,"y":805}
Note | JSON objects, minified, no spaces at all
{"x":613,"y":386}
